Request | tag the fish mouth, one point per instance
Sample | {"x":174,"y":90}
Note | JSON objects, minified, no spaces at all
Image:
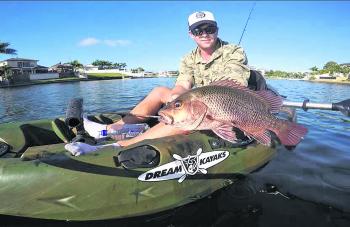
{"x":166,"y":119}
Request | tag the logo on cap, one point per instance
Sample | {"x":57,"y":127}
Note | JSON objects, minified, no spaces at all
{"x":200,"y":15}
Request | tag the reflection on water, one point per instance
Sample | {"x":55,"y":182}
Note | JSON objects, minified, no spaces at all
{"x":317,"y":170}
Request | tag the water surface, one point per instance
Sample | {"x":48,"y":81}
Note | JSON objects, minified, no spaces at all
{"x":316,"y":172}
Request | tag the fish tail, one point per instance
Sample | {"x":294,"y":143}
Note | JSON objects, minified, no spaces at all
{"x":289,"y":133}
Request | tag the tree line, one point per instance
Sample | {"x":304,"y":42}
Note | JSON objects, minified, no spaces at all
{"x":330,"y":67}
{"x":104,"y":64}
{"x":283,"y":74}
{"x":101,"y":64}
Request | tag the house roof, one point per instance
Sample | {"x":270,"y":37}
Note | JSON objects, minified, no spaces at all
{"x":346,"y":64}
{"x":20,"y":59}
{"x":41,"y":67}
{"x":59,"y":65}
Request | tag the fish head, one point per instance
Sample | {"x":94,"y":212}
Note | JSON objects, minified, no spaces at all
{"x":184,"y":112}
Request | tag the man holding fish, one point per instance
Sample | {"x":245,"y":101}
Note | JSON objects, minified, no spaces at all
{"x":212,"y":60}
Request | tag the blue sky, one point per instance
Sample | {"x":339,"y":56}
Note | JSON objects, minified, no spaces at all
{"x":291,"y":36}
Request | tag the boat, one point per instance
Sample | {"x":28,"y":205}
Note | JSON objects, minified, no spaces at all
{"x":40,"y":179}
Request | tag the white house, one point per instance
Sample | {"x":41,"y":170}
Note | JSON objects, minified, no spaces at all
{"x":90,"y":68}
{"x":20,"y":65}
{"x":23,"y":69}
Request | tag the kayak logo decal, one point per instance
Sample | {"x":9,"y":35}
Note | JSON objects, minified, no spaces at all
{"x":181,"y":167}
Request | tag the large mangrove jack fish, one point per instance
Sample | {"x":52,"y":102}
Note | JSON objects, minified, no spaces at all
{"x":225,"y":105}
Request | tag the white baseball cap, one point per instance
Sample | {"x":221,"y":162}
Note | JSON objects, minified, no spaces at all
{"x":200,"y":17}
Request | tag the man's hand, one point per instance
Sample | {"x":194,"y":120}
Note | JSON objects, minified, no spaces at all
{"x":173,"y":97}
{"x":177,"y":91}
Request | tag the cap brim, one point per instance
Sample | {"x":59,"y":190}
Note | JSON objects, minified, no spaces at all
{"x":202,"y":22}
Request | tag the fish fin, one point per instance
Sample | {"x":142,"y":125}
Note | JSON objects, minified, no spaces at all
{"x":226,"y":132}
{"x":289,"y":133}
{"x":274,"y":101}
{"x":262,"y":137}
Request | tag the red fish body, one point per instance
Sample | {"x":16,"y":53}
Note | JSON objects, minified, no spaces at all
{"x":224,"y":105}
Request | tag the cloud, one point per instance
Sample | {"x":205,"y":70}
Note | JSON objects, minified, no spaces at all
{"x":88,"y":42}
{"x":108,"y":42}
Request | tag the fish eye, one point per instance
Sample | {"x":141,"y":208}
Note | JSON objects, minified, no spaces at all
{"x":178,"y":104}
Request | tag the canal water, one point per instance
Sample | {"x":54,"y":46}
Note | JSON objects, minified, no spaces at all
{"x":307,"y":186}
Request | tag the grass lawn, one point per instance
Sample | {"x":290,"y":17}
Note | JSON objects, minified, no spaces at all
{"x":56,"y":80}
{"x":337,"y":81}
{"x":106,"y":75}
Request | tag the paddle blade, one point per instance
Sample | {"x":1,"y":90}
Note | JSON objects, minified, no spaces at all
{"x":343,"y":106}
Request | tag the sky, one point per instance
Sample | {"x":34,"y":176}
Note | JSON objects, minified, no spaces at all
{"x":289,"y":36}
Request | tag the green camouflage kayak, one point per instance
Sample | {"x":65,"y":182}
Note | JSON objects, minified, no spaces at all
{"x":40,"y":179}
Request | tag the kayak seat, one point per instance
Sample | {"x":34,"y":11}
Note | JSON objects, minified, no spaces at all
{"x":62,"y":130}
{"x":37,"y":135}
{"x":20,"y":136}
{"x":256,"y":81}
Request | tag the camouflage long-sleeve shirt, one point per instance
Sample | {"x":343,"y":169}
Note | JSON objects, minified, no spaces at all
{"x":227,"y":62}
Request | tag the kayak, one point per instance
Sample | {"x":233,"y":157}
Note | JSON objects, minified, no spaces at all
{"x":40,"y":179}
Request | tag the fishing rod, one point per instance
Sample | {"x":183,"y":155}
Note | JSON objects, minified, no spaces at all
{"x":343,"y":106}
{"x":139,"y":115}
{"x":145,"y":116}
{"x":246,"y":24}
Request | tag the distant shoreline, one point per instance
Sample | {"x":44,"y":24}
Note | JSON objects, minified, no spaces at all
{"x":71,"y":80}
{"x":55,"y":81}
{"x":331,"y":81}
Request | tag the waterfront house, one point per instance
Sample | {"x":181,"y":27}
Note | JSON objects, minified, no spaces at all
{"x":326,"y":76}
{"x":24,"y":70}
{"x":20,"y":65}
{"x":64,"y":70}
{"x":90,"y":68}
{"x":149,"y":74}
{"x":168,"y":73}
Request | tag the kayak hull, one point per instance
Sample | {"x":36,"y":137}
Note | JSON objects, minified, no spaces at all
{"x":46,"y":182}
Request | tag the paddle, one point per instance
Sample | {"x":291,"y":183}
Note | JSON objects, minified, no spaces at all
{"x":343,"y":106}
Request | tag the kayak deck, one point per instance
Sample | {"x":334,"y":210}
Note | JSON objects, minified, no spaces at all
{"x":45,"y":181}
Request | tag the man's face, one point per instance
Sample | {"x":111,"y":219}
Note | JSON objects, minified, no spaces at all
{"x":205,"y":35}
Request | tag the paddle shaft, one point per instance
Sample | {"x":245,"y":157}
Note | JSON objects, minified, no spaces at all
{"x":308,"y":105}
{"x":343,"y":106}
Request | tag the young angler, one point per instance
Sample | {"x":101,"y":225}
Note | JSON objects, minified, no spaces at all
{"x":212,"y":60}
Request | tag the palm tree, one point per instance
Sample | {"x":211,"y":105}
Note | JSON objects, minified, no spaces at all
{"x":76,"y":65}
{"x":314,"y":69}
{"x":5,"y":50}
{"x":116,"y":65}
{"x":102,"y":64}
{"x":122,"y":65}
{"x":6,"y":73}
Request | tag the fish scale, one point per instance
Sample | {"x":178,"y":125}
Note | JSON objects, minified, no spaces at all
{"x":232,"y":98}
